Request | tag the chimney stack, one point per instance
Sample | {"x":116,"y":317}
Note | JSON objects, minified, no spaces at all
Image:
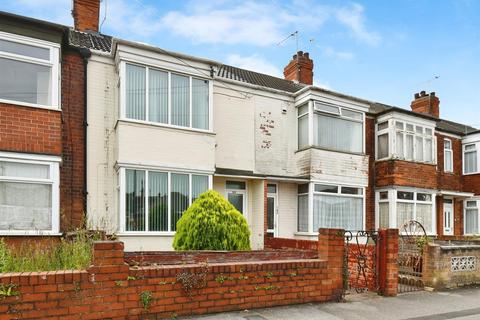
{"x":300,"y":68}
{"x":86,"y":15}
{"x":426,"y":103}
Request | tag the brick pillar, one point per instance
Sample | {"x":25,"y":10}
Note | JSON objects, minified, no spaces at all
{"x":387,"y":253}
{"x":108,"y":262}
{"x":431,"y":261}
{"x":331,"y":247}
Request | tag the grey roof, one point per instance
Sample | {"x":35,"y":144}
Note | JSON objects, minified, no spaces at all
{"x":90,"y":40}
{"x":259,"y":79}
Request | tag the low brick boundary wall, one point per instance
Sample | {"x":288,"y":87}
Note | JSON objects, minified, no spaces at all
{"x":285,"y":243}
{"x":110,"y":289}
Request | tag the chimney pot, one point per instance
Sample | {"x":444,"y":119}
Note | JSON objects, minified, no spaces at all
{"x":422,"y":93}
{"x":417,"y":95}
{"x":86,"y":15}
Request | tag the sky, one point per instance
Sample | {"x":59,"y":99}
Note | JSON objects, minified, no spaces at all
{"x":384,"y":51}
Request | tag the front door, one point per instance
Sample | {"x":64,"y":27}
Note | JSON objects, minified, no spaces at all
{"x":272,"y":200}
{"x":448,"y":217}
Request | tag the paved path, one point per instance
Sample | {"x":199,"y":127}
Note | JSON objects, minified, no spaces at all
{"x":461,"y":304}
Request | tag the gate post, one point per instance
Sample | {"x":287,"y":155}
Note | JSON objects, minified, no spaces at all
{"x":331,"y":247}
{"x":388,"y":262}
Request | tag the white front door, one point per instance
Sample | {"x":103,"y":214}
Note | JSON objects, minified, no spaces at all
{"x":448,"y":217}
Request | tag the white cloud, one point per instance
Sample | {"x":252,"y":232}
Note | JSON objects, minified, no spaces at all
{"x":340,"y":55}
{"x":254,"y":63}
{"x":353,"y":17}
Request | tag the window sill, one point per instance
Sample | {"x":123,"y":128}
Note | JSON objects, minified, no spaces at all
{"x":306,"y":234}
{"x":147,"y":234}
{"x":331,"y":150}
{"x":31,"y":233}
{"x":410,"y":161}
{"x":166,"y":126}
{"x":471,"y":174}
{"x":30,"y":105}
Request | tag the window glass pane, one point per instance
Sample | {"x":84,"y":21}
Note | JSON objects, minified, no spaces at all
{"x":447,"y":201}
{"x":428,"y":150}
{"x":424,"y":216}
{"x":179,"y":197}
{"x":180,"y":100}
{"x":327,"y":108}
{"x":331,"y":211}
{"x":25,"y":206}
{"x":135,"y":200}
{"x":24,"y":50}
{"x":409,"y":127}
{"x":418,"y":148}
{"x":447,"y":144}
{"x":404,"y":195}
{"x":270,"y":213}
{"x":350,"y":190}
{"x":303,"y":213}
{"x":471,"y":221}
{"x":352,"y":114}
{"x":303,"y":109}
{"x":424,"y":197}
{"x":383,"y":125}
{"x":303,"y":188}
{"x":428,"y":132}
{"x":399,"y":151}
{"x":383,"y":195}
{"x":239,"y":185}
{"x":419,"y":129}
{"x":338,"y":134}
{"x":404,"y":213}
{"x":470,"y":147}
{"x":326,"y":188}
{"x":383,"y":208}
{"x":470,"y":162}
{"x":399,"y":125}
{"x":199,"y":185}
{"x":236,"y":199}
{"x":303,"y":132}
{"x":135,"y":92}
{"x":24,"y":170}
{"x":200,"y":91}
{"x":448,"y":161}
{"x":471,"y":204}
{"x":157,"y":96}
{"x":409,"y":147}
{"x":383,"y":146}
{"x":25,"y":82}
{"x":272,"y":188}
{"x":158,"y":201}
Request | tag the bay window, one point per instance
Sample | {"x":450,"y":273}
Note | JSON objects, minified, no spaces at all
{"x":155,"y":200}
{"x":470,"y":158}
{"x":472,"y":218}
{"x":405,"y":141}
{"x":448,"y":155}
{"x":164,"y":97}
{"x":29,"y":194}
{"x":334,"y":206}
{"x":29,"y":71}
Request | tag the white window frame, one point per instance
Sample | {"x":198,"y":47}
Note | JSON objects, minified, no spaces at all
{"x":122,"y":71}
{"x":53,"y":63}
{"x":477,"y":200}
{"x":477,"y":150}
{"x":54,"y":180}
{"x":243,"y":192}
{"x":122,"y":226}
{"x":450,"y":154}
{"x":392,"y":212}
{"x":312,"y":192}
{"x":392,"y":131}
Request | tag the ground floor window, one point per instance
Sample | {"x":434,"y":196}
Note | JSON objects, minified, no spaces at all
{"x":332,"y":206}
{"x":397,"y":206}
{"x":29,"y":194}
{"x":237,"y":194}
{"x":472,"y":212}
{"x":155,"y":200}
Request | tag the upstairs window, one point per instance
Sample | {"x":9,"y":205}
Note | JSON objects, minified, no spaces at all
{"x":164,"y":97}
{"x":448,"y":155}
{"x":470,"y":158}
{"x":29,"y":71}
{"x":405,"y":141}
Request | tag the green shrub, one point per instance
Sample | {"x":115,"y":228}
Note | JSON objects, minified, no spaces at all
{"x":212,"y":223}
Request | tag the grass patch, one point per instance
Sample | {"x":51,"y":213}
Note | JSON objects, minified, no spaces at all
{"x":75,"y":253}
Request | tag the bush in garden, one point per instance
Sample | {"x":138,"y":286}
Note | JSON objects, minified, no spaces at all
{"x":212,"y":223}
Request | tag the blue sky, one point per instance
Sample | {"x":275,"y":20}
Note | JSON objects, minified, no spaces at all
{"x":379,"y":50}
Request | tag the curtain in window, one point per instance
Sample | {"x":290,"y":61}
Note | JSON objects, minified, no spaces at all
{"x":471,"y":221}
{"x":25,"y":206}
{"x":158,"y":201}
{"x":383,"y":208}
{"x":179,"y":197}
{"x":399,"y":150}
{"x":383,"y":146}
{"x":200,"y":91}
{"x":303,"y":213}
{"x":404,"y":213}
{"x":470,"y":162}
{"x":448,"y":161}
{"x":338,"y":134}
{"x":419,"y":148}
{"x":180,"y":100}
{"x":424,"y":216}
{"x":409,"y":147}
{"x":199,"y":186}
{"x":135,"y":92}
{"x":24,"y":170}
{"x":135,"y":200}
{"x":157,"y":96}
{"x":428,"y":150}
{"x":303,"y":131}
{"x":337,"y":212}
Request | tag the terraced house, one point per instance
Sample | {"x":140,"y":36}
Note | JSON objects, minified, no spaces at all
{"x":163,"y":127}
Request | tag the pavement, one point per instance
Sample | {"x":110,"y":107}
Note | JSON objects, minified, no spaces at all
{"x":459,"y":304}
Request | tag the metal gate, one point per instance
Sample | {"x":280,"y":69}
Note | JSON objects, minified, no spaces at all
{"x":411,"y":241}
{"x":360,"y":265}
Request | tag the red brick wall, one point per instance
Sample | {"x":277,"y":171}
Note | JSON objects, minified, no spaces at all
{"x":284,"y":243}
{"x":449,"y":180}
{"x":472,"y":183}
{"x":110,"y":289}
{"x":405,"y":173}
{"x":72,"y":170}
{"x":357,"y":279}
{"x":30,"y":130}
{"x":387,"y":259}
{"x":370,"y":190}
{"x":86,"y":14}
